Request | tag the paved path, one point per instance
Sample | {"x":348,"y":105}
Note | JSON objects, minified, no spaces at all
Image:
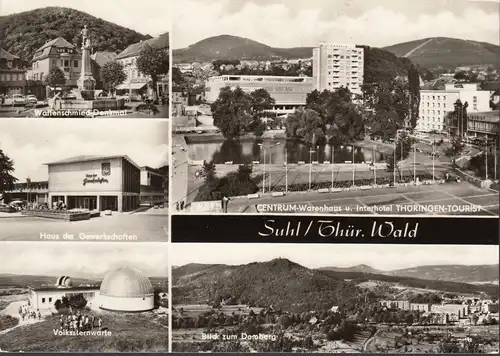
{"x":13,"y":310}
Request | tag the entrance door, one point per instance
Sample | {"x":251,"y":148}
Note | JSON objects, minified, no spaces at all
{"x":86,"y":203}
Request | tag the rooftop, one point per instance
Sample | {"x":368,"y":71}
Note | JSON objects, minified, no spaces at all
{"x":102,"y":58}
{"x":487,"y":116}
{"x":90,"y":158}
{"x":54,"y":288}
{"x":160,"y":42}
{"x":59,"y":42}
{"x":6,"y":55}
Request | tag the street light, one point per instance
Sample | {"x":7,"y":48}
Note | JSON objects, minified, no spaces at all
{"x":394,"y":166}
{"x":310,"y":167}
{"x":333,"y":161}
{"x":264,"y":174}
{"x":433,"y":160}
{"x":353,"y":167}
{"x":286,"y":170}
{"x":486,"y":157}
{"x":270,"y":165}
{"x":374,"y":166}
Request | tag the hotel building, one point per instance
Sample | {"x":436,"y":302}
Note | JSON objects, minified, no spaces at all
{"x":338,"y":65}
{"x":136,"y":82}
{"x":12,"y":76}
{"x":483,"y":124}
{"x":289,"y":93}
{"x":436,"y":104}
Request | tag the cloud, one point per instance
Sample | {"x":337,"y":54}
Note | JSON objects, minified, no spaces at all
{"x":278,"y":24}
{"x":32,"y":143}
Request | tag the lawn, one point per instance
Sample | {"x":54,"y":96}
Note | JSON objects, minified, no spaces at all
{"x":144,"y":332}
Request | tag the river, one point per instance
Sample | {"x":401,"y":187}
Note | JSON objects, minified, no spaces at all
{"x":249,"y":150}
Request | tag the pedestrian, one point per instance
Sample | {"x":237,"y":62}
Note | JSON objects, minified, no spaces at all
{"x":177,"y":206}
{"x":39,"y":316}
{"x":99,"y":323}
{"x":92,"y":320}
{"x":182,"y":205}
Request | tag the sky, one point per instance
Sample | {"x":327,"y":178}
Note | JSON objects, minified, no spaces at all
{"x":82,"y":259}
{"x":31,"y":143}
{"x":380,"y":256}
{"x":151,"y":17}
{"x":296,"y":23}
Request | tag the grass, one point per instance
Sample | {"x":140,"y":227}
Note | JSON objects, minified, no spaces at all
{"x":142,"y":332}
{"x":6,"y":322}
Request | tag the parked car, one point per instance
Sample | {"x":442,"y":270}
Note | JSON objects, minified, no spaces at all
{"x":16,"y":99}
{"x":31,"y":99}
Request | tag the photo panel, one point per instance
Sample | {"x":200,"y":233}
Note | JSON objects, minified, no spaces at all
{"x":73,"y":59}
{"x":82,"y":180}
{"x":371,"y":298}
{"x":87,"y":297}
{"x":341,"y":120}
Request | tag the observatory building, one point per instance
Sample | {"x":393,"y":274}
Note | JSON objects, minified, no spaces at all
{"x":126,"y":289}
{"x":122,"y":290}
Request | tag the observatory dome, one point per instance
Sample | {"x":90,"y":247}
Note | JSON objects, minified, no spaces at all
{"x":126,"y":289}
{"x":63,"y":282}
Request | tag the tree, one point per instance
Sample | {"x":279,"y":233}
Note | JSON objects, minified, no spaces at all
{"x":154,"y":63}
{"x":461,"y":75}
{"x":285,"y":321}
{"x":112,"y":75}
{"x":304,"y":125}
{"x":403,"y":146}
{"x":55,"y":77}
{"x":261,"y":101}
{"x":232,"y":111}
{"x":414,"y":94}
{"x":77,"y":301}
{"x":7,"y":180}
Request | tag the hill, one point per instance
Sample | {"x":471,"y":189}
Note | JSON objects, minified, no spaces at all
{"x":447,"y":52}
{"x":23,"y":33}
{"x":454,"y":273}
{"x":234,"y":47}
{"x":357,"y":268}
{"x":285,"y":284}
{"x":23,"y":281}
{"x":280,"y":283}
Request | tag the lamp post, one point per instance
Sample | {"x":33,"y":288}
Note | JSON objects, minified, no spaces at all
{"x":486,"y":157}
{"x":310,"y":167}
{"x":263,"y":174}
{"x":374,"y":166}
{"x":270,"y":165}
{"x":433,"y":160}
{"x":286,"y":170}
{"x":333,"y":161}
{"x":353,"y":167}
{"x":414,"y":164}
{"x":394,"y":165}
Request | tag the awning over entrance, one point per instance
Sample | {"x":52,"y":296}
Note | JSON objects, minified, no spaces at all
{"x":133,"y":86}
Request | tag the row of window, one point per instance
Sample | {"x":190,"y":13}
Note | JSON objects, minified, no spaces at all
{"x":7,"y":77}
{"x":433,"y":112}
{"x":433,"y":97}
{"x":427,"y":118}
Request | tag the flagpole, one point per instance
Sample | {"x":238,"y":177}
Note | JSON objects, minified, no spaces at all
{"x":433,"y":160}
{"x":394,"y":165}
{"x":353,"y":167}
{"x":486,"y":157}
{"x":286,"y":170}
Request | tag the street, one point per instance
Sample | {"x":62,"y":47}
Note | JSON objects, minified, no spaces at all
{"x":146,"y":228}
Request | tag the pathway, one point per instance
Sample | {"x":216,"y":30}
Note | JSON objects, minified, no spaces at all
{"x":417,"y":48}
{"x":13,"y":310}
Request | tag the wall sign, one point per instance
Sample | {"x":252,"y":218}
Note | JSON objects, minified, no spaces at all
{"x":93,"y":179}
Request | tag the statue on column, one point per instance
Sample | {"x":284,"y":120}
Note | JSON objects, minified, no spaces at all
{"x":86,"y":83}
{"x":85,"y":37}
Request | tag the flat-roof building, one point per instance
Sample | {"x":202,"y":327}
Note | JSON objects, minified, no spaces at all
{"x":289,"y":93}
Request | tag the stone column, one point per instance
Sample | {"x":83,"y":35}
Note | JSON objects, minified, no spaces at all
{"x":86,"y":82}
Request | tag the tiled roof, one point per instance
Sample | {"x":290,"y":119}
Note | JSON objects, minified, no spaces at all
{"x":6,"y":55}
{"x":102,"y":58}
{"x":59,"y":42}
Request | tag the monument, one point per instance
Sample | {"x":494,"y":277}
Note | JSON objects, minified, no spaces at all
{"x":86,"y":82}
{"x":84,"y":98}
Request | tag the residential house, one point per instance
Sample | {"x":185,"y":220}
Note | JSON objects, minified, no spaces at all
{"x":12,"y":75}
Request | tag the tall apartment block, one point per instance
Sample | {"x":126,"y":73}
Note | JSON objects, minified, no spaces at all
{"x":338,"y":65}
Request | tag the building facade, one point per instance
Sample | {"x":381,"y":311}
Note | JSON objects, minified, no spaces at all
{"x":152,"y":191}
{"x":483,"y":124}
{"x":338,"y":65}
{"x":12,"y":75}
{"x":289,"y":93}
{"x":56,"y":53}
{"x":136,"y":82}
{"x":95,"y":183}
{"x":44,"y":298}
{"x":37,"y":192}
{"x":436,"y":104}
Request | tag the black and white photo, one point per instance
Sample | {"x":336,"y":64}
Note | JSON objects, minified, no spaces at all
{"x":371,"y":298}
{"x":336,"y":107}
{"x":86,"y":297}
{"x":68,"y":59}
{"x":74,"y":180}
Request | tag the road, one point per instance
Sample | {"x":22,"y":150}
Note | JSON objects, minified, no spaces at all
{"x":180,"y":171}
{"x":411,"y":200}
{"x":146,"y":228}
{"x":368,"y":341}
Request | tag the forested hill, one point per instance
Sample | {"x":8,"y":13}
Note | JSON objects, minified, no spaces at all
{"x":23,"y":33}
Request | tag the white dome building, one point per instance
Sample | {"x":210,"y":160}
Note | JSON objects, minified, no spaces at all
{"x":126,"y":289}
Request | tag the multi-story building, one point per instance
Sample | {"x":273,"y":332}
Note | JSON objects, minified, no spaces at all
{"x":289,"y":93}
{"x":152,"y":191}
{"x":12,"y":75}
{"x":338,"y":65}
{"x":436,"y":104}
{"x":37,"y":192}
{"x":98,"y":60}
{"x":482,"y":124}
{"x":56,"y":53}
{"x":136,"y":82}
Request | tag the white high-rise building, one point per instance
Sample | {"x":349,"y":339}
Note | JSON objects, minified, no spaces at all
{"x":338,"y":65}
{"x":436,"y":104}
